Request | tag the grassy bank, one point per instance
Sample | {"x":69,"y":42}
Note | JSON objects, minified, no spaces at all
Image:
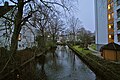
{"x":93,"y":46}
{"x":105,"y":69}
{"x":81,"y":50}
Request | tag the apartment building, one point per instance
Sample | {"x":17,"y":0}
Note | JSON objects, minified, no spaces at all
{"x":107,"y":22}
{"x":4,"y":32}
{"x":26,"y":37}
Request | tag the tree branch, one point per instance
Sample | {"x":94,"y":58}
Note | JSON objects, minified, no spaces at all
{"x":27,"y":1}
{"x":13,"y":2}
{"x":54,"y":3}
{"x":26,"y":18}
{"x":8,"y":18}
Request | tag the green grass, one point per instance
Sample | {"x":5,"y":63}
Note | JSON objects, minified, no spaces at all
{"x":81,"y":49}
{"x":99,"y":64}
{"x":93,"y":46}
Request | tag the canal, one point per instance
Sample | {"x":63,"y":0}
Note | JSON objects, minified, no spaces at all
{"x":58,"y":64}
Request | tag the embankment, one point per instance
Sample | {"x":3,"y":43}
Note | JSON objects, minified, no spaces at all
{"x":105,"y":69}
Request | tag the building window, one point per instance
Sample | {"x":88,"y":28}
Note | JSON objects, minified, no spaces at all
{"x":118,"y":13}
{"x":118,"y":35}
{"x":110,"y":26}
{"x":109,"y":1}
{"x":111,"y":36}
{"x":19,"y":45}
{"x":112,"y":15}
{"x":109,"y":6}
{"x":109,"y":17}
{"x":19,"y":37}
{"x":22,"y":45}
{"x":118,"y":2}
{"x":112,"y":4}
{"x":118,"y":25}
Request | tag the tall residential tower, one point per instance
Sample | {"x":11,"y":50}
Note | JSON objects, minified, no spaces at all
{"x":107,"y":22}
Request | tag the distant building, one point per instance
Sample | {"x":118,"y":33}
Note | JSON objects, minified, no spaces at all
{"x":4,"y":33}
{"x":26,"y":37}
{"x":107,"y":22}
{"x":6,"y":8}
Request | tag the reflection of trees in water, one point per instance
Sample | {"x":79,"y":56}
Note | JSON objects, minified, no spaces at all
{"x":84,"y":68}
{"x":40,"y":73}
{"x":73,"y":61}
{"x":53,"y":59}
{"x":63,"y":48}
{"x":72,"y":58}
{"x":41,"y":60}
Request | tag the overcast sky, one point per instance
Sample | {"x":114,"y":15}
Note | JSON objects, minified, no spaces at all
{"x":84,"y":10}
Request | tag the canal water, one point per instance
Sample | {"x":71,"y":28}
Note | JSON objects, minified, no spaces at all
{"x":58,"y":64}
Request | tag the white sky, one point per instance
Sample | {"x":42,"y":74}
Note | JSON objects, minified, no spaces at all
{"x":84,"y":10}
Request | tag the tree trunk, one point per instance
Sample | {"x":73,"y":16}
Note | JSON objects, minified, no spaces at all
{"x":53,"y":37}
{"x":43,"y":39}
{"x":17,"y":27}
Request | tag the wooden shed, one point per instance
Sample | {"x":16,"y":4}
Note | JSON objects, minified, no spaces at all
{"x":111,"y":52}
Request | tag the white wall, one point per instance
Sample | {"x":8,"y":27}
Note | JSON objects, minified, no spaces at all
{"x":101,"y":30}
{"x":101,"y":21}
{"x":29,"y":40}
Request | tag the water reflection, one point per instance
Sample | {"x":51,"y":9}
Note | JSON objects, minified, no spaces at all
{"x":65,"y":65}
{"x":40,"y":71}
{"x":57,"y":64}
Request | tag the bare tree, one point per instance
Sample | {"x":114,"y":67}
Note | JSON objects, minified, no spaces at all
{"x":56,"y":25}
{"x":42,"y":24}
{"x":85,"y":37}
{"x":22,"y":12}
{"x":74,"y":26}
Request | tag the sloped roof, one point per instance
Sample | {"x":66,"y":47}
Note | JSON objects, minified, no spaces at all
{"x":110,"y":46}
{"x":6,"y":8}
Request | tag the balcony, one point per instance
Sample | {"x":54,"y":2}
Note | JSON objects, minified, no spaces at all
{"x":111,"y":38}
{"x":118,"y":2}
{"x":118,"y":25}
{"x":110,"y":1}
{"x":111,"y":31}
{"x":118,"y":36}
{"x":118,"y":13}
{"x":110,"y":10}
{"x":111,"y":20}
